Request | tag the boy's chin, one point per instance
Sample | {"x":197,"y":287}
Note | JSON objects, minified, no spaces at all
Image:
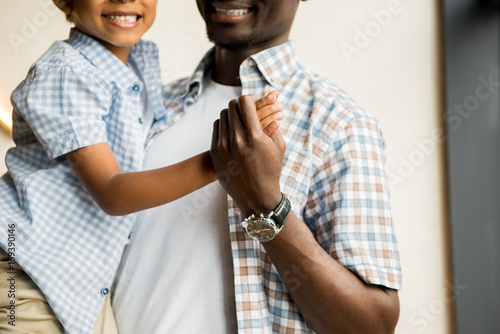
{"x":120,"y":43}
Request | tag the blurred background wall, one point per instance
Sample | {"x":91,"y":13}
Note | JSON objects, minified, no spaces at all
{"x":385,"y":53}
{"x":472,"y":59}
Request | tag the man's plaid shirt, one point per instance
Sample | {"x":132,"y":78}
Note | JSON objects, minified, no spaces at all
{"x":333,"y":173}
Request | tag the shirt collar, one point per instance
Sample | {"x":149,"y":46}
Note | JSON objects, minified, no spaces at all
{"x":105,"y":61}
{"x":276,"y":65}
{"x":194,"y":83}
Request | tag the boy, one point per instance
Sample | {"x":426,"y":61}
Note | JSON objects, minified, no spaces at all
{"x":83,"y":117}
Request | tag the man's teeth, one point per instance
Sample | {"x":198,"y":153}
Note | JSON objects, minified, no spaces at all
{"x":233,"y":11}
{"x":122,"y":18}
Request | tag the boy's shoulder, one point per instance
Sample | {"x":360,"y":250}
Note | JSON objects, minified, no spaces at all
{"x":81,"y":58}
{"x":145,"y":46}
{"x":61,"y":54}
{"x":64,"y":61}
{"x":59,"y":63}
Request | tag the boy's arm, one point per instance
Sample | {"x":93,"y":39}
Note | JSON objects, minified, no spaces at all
{"x":120,"y":193}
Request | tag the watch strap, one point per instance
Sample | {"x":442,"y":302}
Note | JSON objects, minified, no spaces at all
{"x":282,"y":211}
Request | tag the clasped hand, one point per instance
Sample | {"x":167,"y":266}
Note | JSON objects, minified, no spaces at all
{"x":247,"y":152}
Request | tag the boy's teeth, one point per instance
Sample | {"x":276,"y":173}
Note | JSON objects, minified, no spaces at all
{"x":123,"y":18}
{"x":233,"y":11}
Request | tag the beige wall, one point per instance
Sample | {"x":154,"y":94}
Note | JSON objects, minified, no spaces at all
{"x":393,"y":73}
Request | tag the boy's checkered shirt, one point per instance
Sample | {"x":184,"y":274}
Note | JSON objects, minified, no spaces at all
{"x":77,"y":94}
{"x":333,"y":173}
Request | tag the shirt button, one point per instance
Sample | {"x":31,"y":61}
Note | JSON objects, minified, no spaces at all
{"x":136,"y":88}
{"x":104,"y":291}
{"x":140,"y":120}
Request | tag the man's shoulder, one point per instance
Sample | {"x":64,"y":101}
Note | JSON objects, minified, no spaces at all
{"x":324,"y":114}
{"x":177,"y":84}
{"x":326,"y":99}
{"x":174,"y":90}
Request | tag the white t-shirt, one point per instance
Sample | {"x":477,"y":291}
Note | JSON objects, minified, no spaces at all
{"x":176,"y":274}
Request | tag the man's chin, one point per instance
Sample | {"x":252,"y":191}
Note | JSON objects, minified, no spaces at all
{"x":231,"y":44}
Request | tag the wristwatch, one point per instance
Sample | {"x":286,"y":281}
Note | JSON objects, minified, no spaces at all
{"x":265,"y":228}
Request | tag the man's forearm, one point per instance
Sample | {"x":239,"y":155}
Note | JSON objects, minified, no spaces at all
{"x":330,"y":297}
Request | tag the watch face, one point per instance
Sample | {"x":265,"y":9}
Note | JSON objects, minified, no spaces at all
{"x":261,"y":229}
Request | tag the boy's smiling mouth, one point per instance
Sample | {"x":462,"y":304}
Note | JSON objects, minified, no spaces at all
{"x":122,"y":19}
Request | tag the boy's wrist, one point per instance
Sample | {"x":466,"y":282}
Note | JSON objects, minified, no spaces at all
{"x":208,"y":165}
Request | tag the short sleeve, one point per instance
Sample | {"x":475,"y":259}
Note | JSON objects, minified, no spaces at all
{"x":65,"y":108}
{"x":349,"y":204}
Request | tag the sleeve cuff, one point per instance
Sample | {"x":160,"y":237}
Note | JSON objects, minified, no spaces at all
{"x":390,"y":278}
{"x":76,"y":138}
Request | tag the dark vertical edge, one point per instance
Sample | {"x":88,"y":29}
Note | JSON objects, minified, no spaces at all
{"x":446,"y":219}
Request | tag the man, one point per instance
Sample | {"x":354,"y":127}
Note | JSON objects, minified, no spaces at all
{"x":333,"y":267}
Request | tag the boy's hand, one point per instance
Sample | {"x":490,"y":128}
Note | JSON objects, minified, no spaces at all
{"x":269,"y":112}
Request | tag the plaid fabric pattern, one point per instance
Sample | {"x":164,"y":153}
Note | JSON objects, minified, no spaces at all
{"x":77,"y":94}
{"x":333,"y":174}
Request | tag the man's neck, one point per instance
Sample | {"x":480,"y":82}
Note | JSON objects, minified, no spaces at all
{"x":226,"y":69}
{"x":227,"y":63}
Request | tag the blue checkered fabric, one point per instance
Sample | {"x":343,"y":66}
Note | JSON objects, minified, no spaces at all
{"x":77,"y":94}
{"x":333,"y":173}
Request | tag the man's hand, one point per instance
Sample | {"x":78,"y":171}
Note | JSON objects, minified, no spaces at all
{"x":247,"y":161}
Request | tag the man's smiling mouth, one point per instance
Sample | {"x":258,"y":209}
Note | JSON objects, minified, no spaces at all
{"x":232,"y":8}
{"x":227,"y":11}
